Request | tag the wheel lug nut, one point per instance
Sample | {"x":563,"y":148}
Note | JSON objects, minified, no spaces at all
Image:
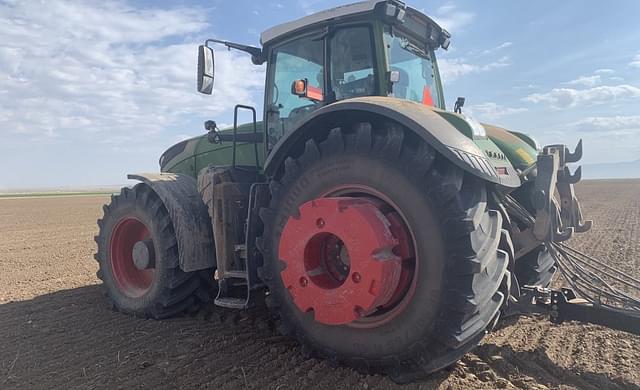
{"x":304,"y":281}
{"x":356,"y":277}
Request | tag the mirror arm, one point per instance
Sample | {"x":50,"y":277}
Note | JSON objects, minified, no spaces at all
{"x":256,"y":52}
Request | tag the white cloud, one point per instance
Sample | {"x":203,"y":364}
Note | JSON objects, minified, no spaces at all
{"x":498,"y":48}
{"x":453,"y":68}
{"x":492,"y":111}
{"x":568,"y":97}
{"x":311,"y":6}
{"x":451,"y":18}
{"x":604,"y":71}
{"x":630,"y":123}
{"x":76,"y":69}
{"x":587,"y":81}
{"x":635,"y":63}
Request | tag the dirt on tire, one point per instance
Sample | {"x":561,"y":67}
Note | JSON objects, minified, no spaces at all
{"x":58,"y":331}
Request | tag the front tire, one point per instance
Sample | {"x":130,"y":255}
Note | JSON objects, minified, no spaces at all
{"x":455,"y":285}
{"x":536,"y":268}
{"x":161,"y":289}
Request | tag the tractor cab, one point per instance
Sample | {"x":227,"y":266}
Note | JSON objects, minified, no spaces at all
{"x":374,"y":48}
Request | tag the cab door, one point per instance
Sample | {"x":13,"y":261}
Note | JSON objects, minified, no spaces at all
{"x":349,"y":71}
{"x":297,"y":59}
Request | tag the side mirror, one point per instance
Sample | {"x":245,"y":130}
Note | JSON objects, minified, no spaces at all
{"x":205,"y":69}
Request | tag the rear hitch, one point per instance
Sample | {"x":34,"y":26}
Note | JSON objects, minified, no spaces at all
{"x":558,"y":213}
{"x":563,"y":305}
{"x":608,"y":296}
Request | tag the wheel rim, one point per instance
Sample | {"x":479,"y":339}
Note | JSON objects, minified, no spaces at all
{"x":131,"y":281}
{"x":405,"y":250}
{"x":329,"y":279}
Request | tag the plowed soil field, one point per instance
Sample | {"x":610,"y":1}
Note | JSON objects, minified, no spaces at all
{"x":57,"y":330}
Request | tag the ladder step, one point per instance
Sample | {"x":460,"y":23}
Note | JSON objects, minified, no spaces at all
{"x":241,"y":250}
{"x":231,"y":303}
{"x":235,"y":274}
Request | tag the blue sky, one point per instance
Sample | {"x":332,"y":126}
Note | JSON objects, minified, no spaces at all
{"x":92,"y":90}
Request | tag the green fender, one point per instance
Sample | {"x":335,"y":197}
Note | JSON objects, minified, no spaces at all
{"x":448,"y":133}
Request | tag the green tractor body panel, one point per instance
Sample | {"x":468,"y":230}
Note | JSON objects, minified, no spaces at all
{"x":519,"y":148}
{"x":198,"y":153}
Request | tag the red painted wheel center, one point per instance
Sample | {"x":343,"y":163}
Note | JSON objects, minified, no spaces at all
{"x":340,"y":260}
{"x":131,"y":281}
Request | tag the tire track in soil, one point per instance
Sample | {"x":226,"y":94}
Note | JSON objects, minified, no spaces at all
{"x":57,"y":330}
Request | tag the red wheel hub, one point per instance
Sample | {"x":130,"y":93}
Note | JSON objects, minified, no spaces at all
{"x":339,"y":259}
{"x":131,"y":281}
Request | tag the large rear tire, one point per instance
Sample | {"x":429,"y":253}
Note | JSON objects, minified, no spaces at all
{"x":454,"y":295}
{"x":161,"y":289}
{"x":538,"y":267}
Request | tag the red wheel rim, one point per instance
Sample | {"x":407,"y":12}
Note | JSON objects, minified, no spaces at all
{"x":405,"y":250}
{"x":395,"y":293}
{"x":339,"y":260}
{"x":131,"y":281}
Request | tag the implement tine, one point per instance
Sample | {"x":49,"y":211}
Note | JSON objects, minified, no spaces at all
{"x":575,"y":156}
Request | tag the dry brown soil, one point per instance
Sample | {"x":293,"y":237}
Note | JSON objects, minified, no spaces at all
{"x":57,"y":330}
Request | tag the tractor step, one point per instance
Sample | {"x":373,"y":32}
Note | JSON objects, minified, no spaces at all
{"x":241,"y":251}
{"x":231,"y":303}
{"x":235,"y":274}
{"x":238,"y":259}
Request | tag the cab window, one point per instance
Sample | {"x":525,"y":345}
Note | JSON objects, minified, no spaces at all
{"x":352,"y":64}
{"x":415,"y":67}
{"x":296,"y":60}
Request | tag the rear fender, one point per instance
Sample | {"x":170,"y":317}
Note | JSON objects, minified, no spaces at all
{"x":189,"y":216}
{"x":424,"y":121}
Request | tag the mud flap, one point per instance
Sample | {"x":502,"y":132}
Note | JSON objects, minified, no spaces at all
{"x":189,"y":216}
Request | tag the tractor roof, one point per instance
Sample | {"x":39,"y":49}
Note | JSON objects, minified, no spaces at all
{"x":319,"y":17}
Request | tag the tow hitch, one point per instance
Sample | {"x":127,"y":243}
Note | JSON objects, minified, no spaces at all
{"x":557,"y":220}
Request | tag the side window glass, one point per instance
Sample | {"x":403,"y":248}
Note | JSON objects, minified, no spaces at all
{"x":416,"y":71}
{"x":352,"y":66}
{"x":300,"y":59}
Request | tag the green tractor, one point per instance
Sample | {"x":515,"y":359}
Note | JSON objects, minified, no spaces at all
{"x":382,"y":231}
